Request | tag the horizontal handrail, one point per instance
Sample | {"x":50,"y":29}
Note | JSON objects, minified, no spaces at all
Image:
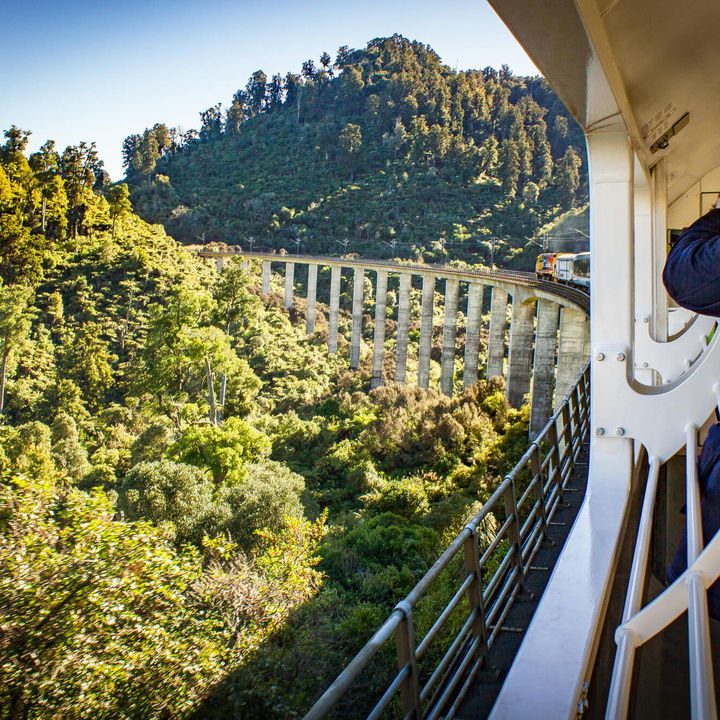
{"x":553,"y":455}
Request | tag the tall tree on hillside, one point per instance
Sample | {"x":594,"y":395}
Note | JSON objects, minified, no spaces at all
{"x":326,"y":62}
{"x":45,"y":163}
{"x":79,"y":165}
{"x":291,"y":88}
{"x":129,"y":149}
{"x":308,"y":70}
{"x":211,"y":120}
{"x":350,"y":142}
{"x":236,"y":112}
{"x":119,"y":200}
{"x":256,"y":90}
{"x":275,"y":92}
{"x":16,"y":140}
{"x":509,"y":167}
{"x":15,"y":317}
{"x":342,"y":56}
{"x":567,"y":171}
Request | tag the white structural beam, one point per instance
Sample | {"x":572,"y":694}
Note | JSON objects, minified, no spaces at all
{"x":447,"y":368}
{"x":426,"y":323}
{"x":311,"y":297}
{"x":472,"y":333}
{"x":357,"y":304}
{"x":334,"y":310}
{"x":379,"y":331}
{"x":403,"y":324}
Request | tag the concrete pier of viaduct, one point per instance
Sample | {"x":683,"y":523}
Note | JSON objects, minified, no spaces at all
{"x":548,"y":328}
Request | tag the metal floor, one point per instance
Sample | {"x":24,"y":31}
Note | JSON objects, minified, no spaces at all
{"x":480,"y":698}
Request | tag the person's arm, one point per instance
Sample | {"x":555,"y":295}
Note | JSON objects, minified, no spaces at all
{"x":692,"y":269}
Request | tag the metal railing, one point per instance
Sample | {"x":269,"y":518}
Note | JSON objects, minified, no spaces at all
{"x":489,"y":574}
{"x":688,"y":592}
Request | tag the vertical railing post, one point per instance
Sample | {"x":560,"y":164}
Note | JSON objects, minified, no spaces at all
{"x":575,"y":394}
{"x":566,"y":436}
{"x":554,"y":464}
{"x":475,"y":596}
{"x":405,"y":643}
{"x":537,"y":478}
{"x":514,"y":531}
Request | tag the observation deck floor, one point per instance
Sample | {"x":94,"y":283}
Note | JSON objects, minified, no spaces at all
{"x":481,"y":696}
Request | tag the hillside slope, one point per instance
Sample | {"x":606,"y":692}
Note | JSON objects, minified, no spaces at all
{"x":387,"y":152}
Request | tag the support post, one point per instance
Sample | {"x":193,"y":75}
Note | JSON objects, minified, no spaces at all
{"x":447,"y":374}
{"x":472,"y":333}
{"x":219,"y":262}
{"x":379,"y":333}
{"x":311,"y":295}
{"x":289,"y":283}
{"x":496,"y":338}
{"x":334,"y":308}
{"x":543,"y":366}
{"x":358,"y":279}
{"x":402,"y":328}
{"x":521,"y":350}
{"x":571,"y":346}
{"x":266,"y":267}
{"x":426,"y":320}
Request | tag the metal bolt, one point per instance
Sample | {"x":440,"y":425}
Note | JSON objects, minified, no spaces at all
{"x":621,"y":356}
{"x":620,"y":432}
{"x":646,"y":319}
{"x":599,"y":431}
{"x":644,"y":364}
{"x":600,"y":357}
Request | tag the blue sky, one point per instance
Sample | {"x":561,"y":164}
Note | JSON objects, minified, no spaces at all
{"x":80,"y":70}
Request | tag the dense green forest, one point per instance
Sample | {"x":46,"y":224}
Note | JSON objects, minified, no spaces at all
{"x":385,"y":152}
{"x":202,"y":513}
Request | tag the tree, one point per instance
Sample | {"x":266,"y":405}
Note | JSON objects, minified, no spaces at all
{"x":15,"y":317}
{"x":275,"y":92}
{"x":129,"y":149}
{"x":224,"y":450}
{"x":326,"y":62}
{"x":342,"y":57}
{"x":183,"y":354}
{"x":256,"y":90}
{"x":211,"y":120}
{"x":530,"y":193}
{"x":235,"y":302}
{"x":79,"y":166}
{"x":119,"y":200}
{"x":101,"y":614}
{"x":308,"y":70}
{"x":16,"y":140}
{"x":567,"y":172}
{"x":167,"y":491}
{"x":509,"y":170}
{"x":350,"y":143}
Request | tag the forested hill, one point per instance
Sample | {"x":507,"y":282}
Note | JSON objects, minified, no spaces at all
{"x":385,"y":148}
{"x":203,"y":514}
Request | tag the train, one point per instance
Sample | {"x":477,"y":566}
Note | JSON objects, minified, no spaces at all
{"x":566,"y":268}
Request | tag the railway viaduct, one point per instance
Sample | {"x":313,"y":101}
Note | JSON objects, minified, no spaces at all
{"x":548,"y":330}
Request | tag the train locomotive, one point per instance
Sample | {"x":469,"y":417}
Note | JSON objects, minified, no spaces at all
{"x":566,"y":268}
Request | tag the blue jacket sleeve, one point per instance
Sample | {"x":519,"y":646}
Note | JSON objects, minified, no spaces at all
{"x":692,"y":269}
